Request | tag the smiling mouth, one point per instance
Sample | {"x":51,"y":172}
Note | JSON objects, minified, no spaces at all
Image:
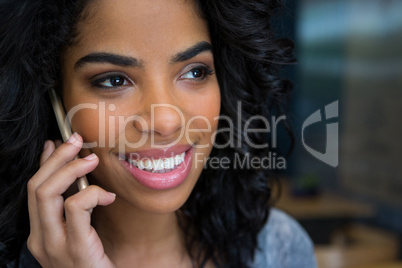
{"x":159,"y":169}
{"x":160,"y":165}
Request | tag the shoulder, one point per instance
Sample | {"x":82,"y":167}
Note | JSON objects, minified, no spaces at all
{"x":283,"y":243}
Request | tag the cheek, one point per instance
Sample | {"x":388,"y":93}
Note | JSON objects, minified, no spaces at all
{"x":206,"y":108}
{"x":203,"y":121}
{"x":83,"y":110}
{"x":96,"y":126}
{"x":86,"y":123}
{"x":212,"y":106}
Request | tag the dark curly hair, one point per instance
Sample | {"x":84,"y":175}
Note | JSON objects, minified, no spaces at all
{"x":227,"y":207}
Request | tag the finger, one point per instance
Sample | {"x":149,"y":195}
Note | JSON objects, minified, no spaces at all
{"x":77,"y":208}
{"x":50,"y":202}
{"x":58,"y":158}
{"x":34,"y":222}
{"x":51,"y":157}
{"x":48,"y":149}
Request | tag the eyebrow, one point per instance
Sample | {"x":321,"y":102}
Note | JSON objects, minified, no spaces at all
{"x":114,"y":59}
{"x":192,"y":52}
{"x":126,"y":61}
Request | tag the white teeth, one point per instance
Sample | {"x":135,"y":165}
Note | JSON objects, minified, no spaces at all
{"x":140,"y":165}
{"x":178,"y":159}
{"x":147,"y":164}
{"x":158,"y":165}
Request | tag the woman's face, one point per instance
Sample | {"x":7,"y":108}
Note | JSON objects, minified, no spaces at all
{"x":141,"y":87}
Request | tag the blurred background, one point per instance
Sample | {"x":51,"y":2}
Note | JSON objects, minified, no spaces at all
{"x":343,"y":182}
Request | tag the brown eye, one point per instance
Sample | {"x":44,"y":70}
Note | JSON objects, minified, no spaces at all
{"x":116,"y":81}
{"x":197,"y":73}
{"x":111,"y":81}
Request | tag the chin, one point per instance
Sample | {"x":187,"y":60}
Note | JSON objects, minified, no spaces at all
{"x":131,"y":193}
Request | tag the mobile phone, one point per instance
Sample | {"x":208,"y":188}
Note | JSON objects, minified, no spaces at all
{"x":65,"y":128}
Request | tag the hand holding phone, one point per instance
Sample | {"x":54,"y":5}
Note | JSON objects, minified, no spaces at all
{"x":61,"y":234}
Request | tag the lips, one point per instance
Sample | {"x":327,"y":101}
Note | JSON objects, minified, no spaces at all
{"x":159,"y":169}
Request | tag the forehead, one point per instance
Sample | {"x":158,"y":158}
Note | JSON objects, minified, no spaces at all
{"x":140,"y":28}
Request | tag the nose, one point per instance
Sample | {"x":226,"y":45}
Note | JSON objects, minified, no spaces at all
{"x":161,"y":111}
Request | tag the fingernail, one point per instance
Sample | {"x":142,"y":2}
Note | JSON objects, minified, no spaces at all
{"x":73,"y":138}
{"x":112,"y":194}
{"x":90,"y":157}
